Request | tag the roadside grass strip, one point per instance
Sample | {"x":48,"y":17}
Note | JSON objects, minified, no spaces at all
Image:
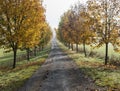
{"x":13,"y":79}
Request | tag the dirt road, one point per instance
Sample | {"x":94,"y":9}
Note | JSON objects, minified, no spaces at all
{"x":59,"y":73}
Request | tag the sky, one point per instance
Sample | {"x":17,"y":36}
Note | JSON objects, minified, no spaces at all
{"x":56,"y":8}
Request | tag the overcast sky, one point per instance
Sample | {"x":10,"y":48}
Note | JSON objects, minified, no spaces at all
{"x":55,"y":8}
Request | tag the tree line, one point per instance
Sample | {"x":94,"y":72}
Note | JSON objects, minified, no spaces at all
{"x":95,"y":23}
{"x":23,"y":26}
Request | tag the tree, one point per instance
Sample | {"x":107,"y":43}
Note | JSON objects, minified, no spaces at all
{"x":63,"y":28}
{"x":16,"y":18}
{"x":105,"y":13}
{"x":87,"y":34}
{"x":45,"y":35}
{"x":77,"y":23}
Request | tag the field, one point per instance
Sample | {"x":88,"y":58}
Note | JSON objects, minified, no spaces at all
{"x":107,"y":76}
{"x":100,"y":52}
{"x":12,"y":79}
{"x":6,"y":59}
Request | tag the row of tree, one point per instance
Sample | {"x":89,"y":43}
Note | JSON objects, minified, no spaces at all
{"x":96,"y":23}
{"x":23,"y":25}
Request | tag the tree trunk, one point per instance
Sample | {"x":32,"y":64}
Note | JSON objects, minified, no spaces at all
{"x":66,"y":44}
{"x":15,"y":55}
{"x":76,"y":47}
{"x":84,"y":49}
{"x":35,"y":54}
{"x":69,"y":45}
{"x":106,"y":34}
{"x":28,"y":54}
{"x":39,"y":48}
{"x":106,"y":54}
{"x":63,"y":43}
{"x":42,"y":47}
{"x":72,"y":47}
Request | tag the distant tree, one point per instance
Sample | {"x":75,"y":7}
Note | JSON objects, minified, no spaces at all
{"x":45,"y":35}
{"x":77,"y":23}
{"x":63,"y":28}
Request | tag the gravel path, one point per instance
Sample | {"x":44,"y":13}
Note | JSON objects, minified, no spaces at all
{"x":59,"y":73}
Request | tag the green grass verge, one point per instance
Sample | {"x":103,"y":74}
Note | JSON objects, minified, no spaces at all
{"x":100,"y":52}
{"x":106,"y":76}
{"x":6,"y":59}
{"x":12,"y":79}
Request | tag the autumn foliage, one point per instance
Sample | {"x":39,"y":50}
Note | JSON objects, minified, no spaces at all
{"x":22,"y":23}
{"x":94,"y":24}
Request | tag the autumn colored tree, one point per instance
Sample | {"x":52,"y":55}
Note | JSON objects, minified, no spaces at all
{"x":105,"y":13}
{"x":18,"y":20}
{"x":63,"y":29}
{"x":96,"y":23}
{"x":45,"y":35}
{"x":75,"y":24}
{"x":87,"y":34}
{"x":69,"y":27}
{"x":36,"y":20}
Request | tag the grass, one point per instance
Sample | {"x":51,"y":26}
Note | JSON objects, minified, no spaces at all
{"x":12,"y":79}
{"x":8,"y":54}
{"x":105,"y":76}
{"x":6,"y":59}
{"x":100,"y":52}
